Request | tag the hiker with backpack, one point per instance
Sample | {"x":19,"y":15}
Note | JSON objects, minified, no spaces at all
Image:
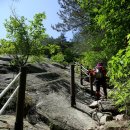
{"x":99,"y":73}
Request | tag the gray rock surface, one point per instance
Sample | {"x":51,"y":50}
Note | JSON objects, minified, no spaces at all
{"x":7,"y":123}
{"x":57,"y":109}
{"x":51,"y":92}
{"x":115,"y":125}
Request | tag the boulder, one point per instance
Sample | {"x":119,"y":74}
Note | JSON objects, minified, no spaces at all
{"x":57,"y":109}
{"x":101,"y":118}
{"x":120,"y":117}
{"x":115,"y":125}
{"x":3,"y":71}
{"x":8,"y":121}
{"x":94,"y":104}
{"x":35,"y":68}
{"x":105,"y":118}
{"x":5,"y":58}
{"x":59,"y":65}
{"x":108,"y":106}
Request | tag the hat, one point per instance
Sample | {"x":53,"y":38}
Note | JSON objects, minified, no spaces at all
{"x":99,"y":64}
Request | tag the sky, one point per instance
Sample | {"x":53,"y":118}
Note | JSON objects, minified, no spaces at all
{"x":28,"y":8}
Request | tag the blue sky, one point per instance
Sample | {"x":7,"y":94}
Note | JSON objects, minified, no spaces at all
{"x":28,"y":8}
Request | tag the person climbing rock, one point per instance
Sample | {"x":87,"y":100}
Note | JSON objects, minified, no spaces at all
{"x":100,"y":80}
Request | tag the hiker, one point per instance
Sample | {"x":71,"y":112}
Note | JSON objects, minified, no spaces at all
{"x":100,"y":80}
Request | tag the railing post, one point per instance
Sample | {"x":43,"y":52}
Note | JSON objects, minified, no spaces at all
{"x":20,"y":100}
{"x":72,"y":88}
{"x":81,"y":75}
{"x":91,"y":83}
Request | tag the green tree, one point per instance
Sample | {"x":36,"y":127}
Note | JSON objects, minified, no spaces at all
{"x":80,"y":16}
{"x":111,"y":18}
{"x":72,"y":16}
{"x":114,"y":19}
{"x":24,"y":38}
{"x":118,"y":71}
{"x":59,"y":57}
{"x":56,"y":48}
{"x":89,"y":45}
{"x":51,"y":50}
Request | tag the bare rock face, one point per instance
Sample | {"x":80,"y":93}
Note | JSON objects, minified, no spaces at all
{"x":7,"y":123}
{"x":114,"y":125}
{"x":57,"y":109}
{"x":51,"y":92}
{"x":35,"y":68}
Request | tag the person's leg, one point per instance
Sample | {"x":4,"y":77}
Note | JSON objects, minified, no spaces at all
{"x":97,"y":84}
{"x":104,"y":85}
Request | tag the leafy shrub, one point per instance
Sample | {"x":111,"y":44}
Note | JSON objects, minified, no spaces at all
{"x":91,"y":58}
{"x":51,"y":50}
{"x":58,"y":58}
{"x":33,"y":59}
{"x":119,"y":73}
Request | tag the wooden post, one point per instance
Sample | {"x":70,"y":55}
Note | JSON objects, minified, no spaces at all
{"x":73,"y":102}
{"x":81,"y":75}
{"x":91,"y":83}
{"x":20,"y":100}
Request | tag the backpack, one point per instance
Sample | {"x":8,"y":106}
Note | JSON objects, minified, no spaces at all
{"x":99,"y":72}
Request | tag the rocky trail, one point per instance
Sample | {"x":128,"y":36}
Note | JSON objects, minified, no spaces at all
{"x":47,"y":105}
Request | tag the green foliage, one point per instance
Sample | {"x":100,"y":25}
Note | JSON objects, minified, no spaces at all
{"x":110,"y":17}
{"x":89,"y":48}
{"x":38,"y":59}
{"x":119,"y":74}
{"x":24,"y":38}
{"x":59,"y":57}
{"x":72,"y":16}
{"x":59,"y":45}
{"x":51,"y":50}
{"x":69,"y":55}
{"x":114,"y":19}
{"x":6,"y":47}
{"x":91,"y":58}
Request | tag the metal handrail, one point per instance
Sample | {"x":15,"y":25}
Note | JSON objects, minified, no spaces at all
{"x":8,"y":101}
{"x":83,"y":68}
{"x":8,"y":87}
{"x":20,"y":100}
{"x":5,"y":90}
